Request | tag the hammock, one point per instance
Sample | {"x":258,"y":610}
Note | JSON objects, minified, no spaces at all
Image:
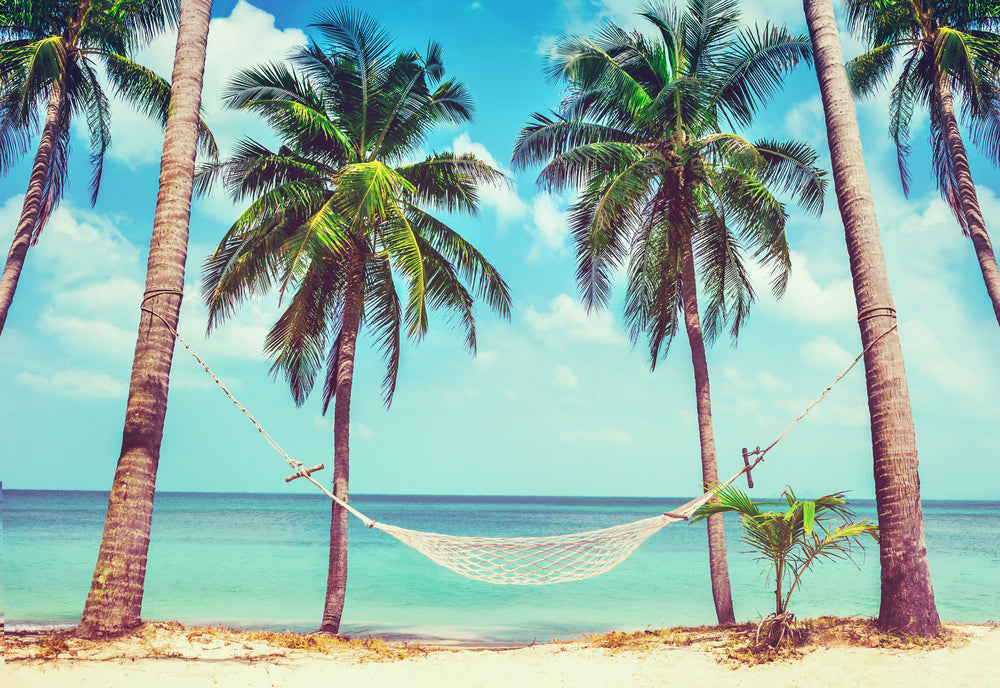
{"x":528,"y":560}
{"x":532,"y":560}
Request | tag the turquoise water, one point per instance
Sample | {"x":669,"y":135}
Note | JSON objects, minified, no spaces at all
{"x":259,"y":561}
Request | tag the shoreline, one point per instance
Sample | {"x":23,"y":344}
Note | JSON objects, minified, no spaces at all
{"x":169,"y":654}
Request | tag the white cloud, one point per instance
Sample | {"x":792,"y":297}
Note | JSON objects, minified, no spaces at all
{"x":92,"y":335}
{"x":75,"y":383}
{"x":486,"y":358}
{"x":79,"y":246}
{"x":597,"y":436}
{"x":543,"y":218}
{"x":239,"y":337}
{"x":824,"y":353}
{"x":805,"y":121}
{"x":548,"y":226}
{"x":563,"y":376}
{"x":111,"y":295}
{"x":544,"y":44}
{"x":768,"y":381}
{"x":807,"y":301}
{"x":246,"y":37}
{"x":503,"y":198}
{"x":94,"y":282}
{"x":964,"y":368}
{"x":568,"y":321}
{"x":361,"y":431}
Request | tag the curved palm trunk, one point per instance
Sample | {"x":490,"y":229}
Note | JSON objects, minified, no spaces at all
{"x":115,"y":600}
{"x":907,"y":604}
{"x":718,"y":566}
{"x":33,"y":199}
{"x":336,"y":581}
{"x":967,"y":194}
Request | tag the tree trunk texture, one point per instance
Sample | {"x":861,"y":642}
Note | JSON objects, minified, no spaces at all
{"x":907,"y":603}
{"x":33,"y":199}
{"x":718,"y":566}
{"x":967,"y":193}
{"x":336,"y":581}
{"x":115,"y":600}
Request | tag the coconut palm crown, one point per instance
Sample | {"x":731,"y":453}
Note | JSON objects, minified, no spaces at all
{"x":948,"y":51}
{"x":639,"y":133}
{"x":667,"y":194}
{"x":340,"y":213}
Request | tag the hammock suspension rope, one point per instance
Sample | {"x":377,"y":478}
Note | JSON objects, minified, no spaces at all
{"x":526,"y":560}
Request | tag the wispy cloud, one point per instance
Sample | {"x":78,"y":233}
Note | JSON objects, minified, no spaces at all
{"x":567,"y":320}
{"x":563,"y":376}
{"x":75,"y":383}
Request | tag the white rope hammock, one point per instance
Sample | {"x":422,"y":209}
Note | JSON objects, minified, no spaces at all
{"x":526,"y":560}
{"x":529,"y":560}
{"x":532,"y":560}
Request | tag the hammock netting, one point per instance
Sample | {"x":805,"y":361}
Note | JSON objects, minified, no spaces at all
{"x":532,"y":560}
{"x":536,"y":560}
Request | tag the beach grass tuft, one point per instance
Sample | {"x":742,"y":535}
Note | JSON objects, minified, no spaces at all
{"x":738,"y":644}
{"x":160,"y":640}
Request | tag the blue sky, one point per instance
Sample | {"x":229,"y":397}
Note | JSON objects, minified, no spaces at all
{"x":556,"y":402}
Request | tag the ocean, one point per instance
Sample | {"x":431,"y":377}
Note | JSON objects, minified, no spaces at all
{"x":259,"y":561}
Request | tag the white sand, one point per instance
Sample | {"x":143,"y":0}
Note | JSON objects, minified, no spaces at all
{"x":226,"y":664}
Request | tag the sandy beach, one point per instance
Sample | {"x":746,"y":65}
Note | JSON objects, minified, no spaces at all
{"x":170,"y":655}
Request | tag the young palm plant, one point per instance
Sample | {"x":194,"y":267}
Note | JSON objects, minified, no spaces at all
{"x":790,"y":543}
{"x":51,"y":57}
{"x":666,"y":193}
{"x":339,"y":214}
{"x":950,"y":52}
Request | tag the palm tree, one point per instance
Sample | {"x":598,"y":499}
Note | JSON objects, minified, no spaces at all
{"x":950,"y":50}
{"x":115,"y":599}
{"x":665,"y":191}
{"x":51,"y":59}
{"x":789,"y":542}
{"x":907,"y":604}
{"x":339,"y":212}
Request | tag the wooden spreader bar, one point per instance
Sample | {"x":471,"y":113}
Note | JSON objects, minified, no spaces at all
{"x":304,"y":472}
{"x":746,"y":462}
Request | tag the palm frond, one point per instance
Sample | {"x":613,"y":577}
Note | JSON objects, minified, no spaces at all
{"x":297,"y":340}
{"x":383,"y":317}
{"x":871,"y":70}
{"x":724,"y":278}
{"x":752,"y":69}
{"x":653,"y":296}
{"x":472,"y":265}
{"x":450,"y":182}
{"x":791,"y":167}
{"x":586,"y":64}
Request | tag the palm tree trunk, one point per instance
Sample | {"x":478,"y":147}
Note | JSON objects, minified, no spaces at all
{"x":33,"y":199}
{"x":718,"y":567}
{"x":907,"y":604}
{"x":967,"y":193}
{"x":336,"y":581}
{"x":115,"y":600}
